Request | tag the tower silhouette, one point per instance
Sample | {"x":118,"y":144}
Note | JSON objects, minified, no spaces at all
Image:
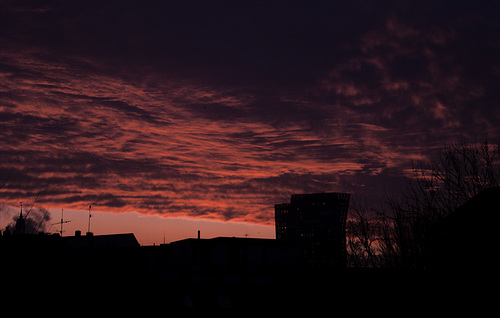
{"x":316,"y":224}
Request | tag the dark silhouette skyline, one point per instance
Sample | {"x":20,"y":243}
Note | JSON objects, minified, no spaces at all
{"x":229,"y":273}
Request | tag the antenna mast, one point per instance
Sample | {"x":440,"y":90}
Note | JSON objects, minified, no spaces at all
{"x":61,"y":222}
{"x":90,"y":215}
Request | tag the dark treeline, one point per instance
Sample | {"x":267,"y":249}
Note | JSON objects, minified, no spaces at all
{"x":405,"y":231}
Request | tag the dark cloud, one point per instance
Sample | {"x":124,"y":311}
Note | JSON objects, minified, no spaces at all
{"x":217,"y":111}
{"x":100,"y":200}
{"x":131,"y":110}
{"x":286,"y":42}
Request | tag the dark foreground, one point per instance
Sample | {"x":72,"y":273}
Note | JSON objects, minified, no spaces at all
{"x":350,"y":292}
{"x":47,"y":274}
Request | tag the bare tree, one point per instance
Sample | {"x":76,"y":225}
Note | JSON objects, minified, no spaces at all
{"x":361,"y":236}
{"x":434,"y":189}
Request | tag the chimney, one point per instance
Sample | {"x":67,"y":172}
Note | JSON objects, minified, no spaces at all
{"x":198,"y":234}
{"x":78,"y":233}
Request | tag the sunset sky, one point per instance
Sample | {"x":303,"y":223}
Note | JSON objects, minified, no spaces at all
{"x":188,"y":114}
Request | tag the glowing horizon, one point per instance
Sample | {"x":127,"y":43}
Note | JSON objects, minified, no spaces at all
{"x":148,"y":229}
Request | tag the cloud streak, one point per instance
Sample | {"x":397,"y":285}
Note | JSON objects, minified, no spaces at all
{"x":219,"y":110}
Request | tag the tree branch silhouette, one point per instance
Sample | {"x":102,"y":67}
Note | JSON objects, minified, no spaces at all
{"x":433,"y":190}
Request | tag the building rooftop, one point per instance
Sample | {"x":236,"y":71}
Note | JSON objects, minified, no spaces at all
{"x":98,"y":241}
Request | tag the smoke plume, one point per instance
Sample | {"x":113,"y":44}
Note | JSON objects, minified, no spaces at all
{"x":36,"y":220}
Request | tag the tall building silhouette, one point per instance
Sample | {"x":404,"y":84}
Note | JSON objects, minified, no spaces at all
{"x":316,"y":224}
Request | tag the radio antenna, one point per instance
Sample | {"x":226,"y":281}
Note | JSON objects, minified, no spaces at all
{"x":90,"y":215}
{"x":61,"y":222}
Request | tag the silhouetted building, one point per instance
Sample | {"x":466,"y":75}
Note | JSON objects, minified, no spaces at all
{"x":71,"y":255}
{"x":467,"y":239}
{"x":316,"y":224}
{"x":100,"y":241}
{"x":20,"y":224}
{"x":231,"y":257}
